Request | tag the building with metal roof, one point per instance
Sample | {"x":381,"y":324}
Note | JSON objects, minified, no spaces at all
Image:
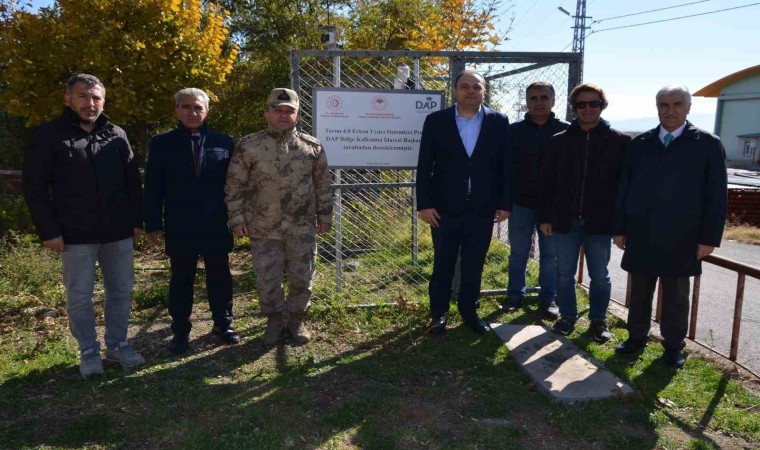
{"x":737,"y":117}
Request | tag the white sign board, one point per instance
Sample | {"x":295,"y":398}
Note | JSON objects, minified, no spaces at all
{"x":372,"y":128}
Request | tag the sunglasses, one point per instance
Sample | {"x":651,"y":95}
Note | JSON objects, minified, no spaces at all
{"x":592,"y":104}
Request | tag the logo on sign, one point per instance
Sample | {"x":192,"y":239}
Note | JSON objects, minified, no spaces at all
{"x":428,"y":103}
{"x":334,"y":103}
{"x":379,"y":103}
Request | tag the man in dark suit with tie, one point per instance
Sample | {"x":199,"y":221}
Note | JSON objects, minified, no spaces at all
{"x":462,"y":189}
{"x":670,"y":213}
{"x":184,"y":198}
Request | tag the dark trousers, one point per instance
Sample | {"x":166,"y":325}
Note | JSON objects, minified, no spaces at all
{"x":218,"y":288}
{"x":675,"y":309}
{"x":469,"y":234}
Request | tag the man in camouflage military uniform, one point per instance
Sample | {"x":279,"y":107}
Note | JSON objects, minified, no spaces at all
{"x":278,"y":194}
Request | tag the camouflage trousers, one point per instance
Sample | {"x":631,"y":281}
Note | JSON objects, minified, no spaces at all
{"x":293,"y":256}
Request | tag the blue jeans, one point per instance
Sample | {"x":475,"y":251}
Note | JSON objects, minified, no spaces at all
{"x":597,"y":248}
{"x":521,"y":224}
{"x":116,"y":263}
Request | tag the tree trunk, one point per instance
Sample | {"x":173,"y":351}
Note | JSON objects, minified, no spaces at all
{"x":143,"y":140}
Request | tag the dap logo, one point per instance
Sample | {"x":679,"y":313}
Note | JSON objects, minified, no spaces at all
{"x":429,"y":103}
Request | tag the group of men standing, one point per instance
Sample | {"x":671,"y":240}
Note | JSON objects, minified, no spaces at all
{"x":661,"y":197}
{"x":85,"y":195}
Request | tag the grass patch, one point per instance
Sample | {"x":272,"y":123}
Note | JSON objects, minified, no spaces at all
{"x":371,"y":379}
{"x":743,"y":233}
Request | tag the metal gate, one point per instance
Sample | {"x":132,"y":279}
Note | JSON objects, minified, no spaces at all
{"x":376,"y":252}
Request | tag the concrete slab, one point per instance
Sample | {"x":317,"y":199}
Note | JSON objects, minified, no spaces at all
{"x":557,"y":366}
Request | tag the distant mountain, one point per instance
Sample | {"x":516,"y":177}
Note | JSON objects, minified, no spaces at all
{"x":701,"y":120}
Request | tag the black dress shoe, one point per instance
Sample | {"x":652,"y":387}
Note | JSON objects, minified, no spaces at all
{"x":512,"y":304}
{"x":437,"y":326}
{"x":478,"y":326}
{"x":228,"y":336}
{"x":630,"y":346}
{"x":178,"y":345}
{"x":675,"y":358}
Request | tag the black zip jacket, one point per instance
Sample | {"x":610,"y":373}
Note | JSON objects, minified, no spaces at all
{"x":579,"y":177}
{"x":82,"y":186}
{"x":529,"y":146}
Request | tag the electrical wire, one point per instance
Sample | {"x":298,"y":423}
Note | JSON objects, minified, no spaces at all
{"x":674,"y":18}
{"x":536,"y":27}
{"x":651,"y":10}
{"x":528,"y":10}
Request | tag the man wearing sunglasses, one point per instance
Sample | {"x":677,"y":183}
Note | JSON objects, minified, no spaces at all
{"x":579,"y":180}
{"x":671,"y":208}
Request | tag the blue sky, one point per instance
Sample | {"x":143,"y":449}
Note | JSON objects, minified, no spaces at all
{"x":632,"y":64}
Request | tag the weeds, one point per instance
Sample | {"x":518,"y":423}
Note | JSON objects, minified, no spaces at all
{"x":30,"y":275}
{"x":744,"y":233}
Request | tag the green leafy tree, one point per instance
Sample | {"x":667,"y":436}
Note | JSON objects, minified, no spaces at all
{"x":424,"y":25}
{"x":267,"y":31}
{"x":142,"y":50}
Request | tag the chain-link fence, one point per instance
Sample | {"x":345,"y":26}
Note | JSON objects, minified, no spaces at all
{"x":377,"y":250}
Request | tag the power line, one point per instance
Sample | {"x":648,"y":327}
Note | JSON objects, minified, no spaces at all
{"x":528,"y":10}
{"x":546,"y":16}
{"x":651,"y":10}
{"x":675,"y":18}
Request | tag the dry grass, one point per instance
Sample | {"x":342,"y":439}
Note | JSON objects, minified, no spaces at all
{"x":743,"y":233}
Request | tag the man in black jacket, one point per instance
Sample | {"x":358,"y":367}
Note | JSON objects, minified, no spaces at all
{"x":83,"y":190}
{"x":530,"y":138}
{"x":579,"y":180}
{"x":671,"y":208}
{"x":184,"y":201}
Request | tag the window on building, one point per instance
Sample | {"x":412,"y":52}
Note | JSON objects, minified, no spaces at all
{"x":749,"y":146}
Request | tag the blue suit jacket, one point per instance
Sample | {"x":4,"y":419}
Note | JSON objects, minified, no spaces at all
{"x":443,"y":167}
{"x":189,"y":209}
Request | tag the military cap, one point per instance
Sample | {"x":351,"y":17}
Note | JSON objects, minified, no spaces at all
{"x":283,"y":96}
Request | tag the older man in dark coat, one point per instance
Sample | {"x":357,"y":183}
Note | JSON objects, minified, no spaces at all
{"x":670,"y":211}
{"x":184,"y":198}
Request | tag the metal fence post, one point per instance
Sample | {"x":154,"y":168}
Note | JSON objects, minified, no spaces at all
{"x":415,"y":219}
{"x":338,"y":202}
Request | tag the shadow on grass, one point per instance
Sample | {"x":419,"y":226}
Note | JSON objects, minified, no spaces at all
{"x":391,"y":387}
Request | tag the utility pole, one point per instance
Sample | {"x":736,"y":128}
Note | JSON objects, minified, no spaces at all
{"x":579,"y":33}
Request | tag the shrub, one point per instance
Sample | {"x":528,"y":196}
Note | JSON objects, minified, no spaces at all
{"x":14,"y":215}
{"x":30,"y":275}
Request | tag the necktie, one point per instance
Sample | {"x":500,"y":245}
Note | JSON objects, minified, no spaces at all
{"x":196,"y":151}
{"x":667,"y":139}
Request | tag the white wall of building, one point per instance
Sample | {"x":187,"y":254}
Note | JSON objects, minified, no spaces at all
{"x":740,"y":115}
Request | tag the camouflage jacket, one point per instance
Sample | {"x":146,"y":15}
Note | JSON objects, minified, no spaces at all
{"x":278,"y":184}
